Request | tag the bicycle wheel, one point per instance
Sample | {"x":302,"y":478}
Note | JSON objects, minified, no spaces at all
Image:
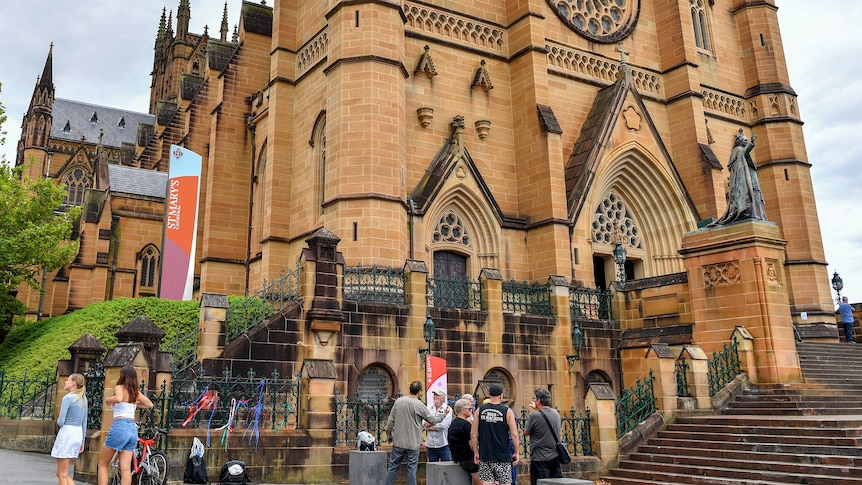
{"x":154,"y":470}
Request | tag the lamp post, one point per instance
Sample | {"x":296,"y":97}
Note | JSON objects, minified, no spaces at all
{"x":577,"y":345}
{"x":429,"y":331}
{"x":837,"y":285}
{"x":620,"y":260}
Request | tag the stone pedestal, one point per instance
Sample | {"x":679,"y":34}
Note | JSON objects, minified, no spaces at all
{"x":367,"y":467}
{"x":446,"y":473}
{"x":563,"y":481}
{"x":736,"y":278}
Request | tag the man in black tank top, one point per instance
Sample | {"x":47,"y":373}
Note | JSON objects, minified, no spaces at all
{"x":493,"y":424}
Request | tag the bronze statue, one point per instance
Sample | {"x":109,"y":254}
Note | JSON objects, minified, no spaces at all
{"x":744,"y":198}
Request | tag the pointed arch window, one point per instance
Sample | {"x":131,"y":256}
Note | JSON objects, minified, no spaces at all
{"x":318,"y":143}
{"x":700,"y":21}
{"x":77,"y":181}
{"x":451,"y":229}
{"x":612,"y":220}
{"x":149,"y":270}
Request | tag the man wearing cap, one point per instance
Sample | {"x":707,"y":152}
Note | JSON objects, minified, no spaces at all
{"x":493,"y":424}
{"x":404,"y":428}
{"x":436,"y":441}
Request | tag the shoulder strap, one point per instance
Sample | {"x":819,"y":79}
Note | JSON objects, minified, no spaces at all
{"x":550,"y":428}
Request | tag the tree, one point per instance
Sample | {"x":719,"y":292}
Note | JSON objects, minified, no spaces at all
{"x":35,"y":232}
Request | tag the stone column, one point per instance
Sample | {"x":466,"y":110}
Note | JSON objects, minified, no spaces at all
{"x":317,"y":397}
{"x":736,"y":277}
{"x":212,"y":325}
{"x":325,"y":315}
{"x":492,"y":302}
{"x":662,"y":362}
{"x":746,"y":352}
{"x":603,"y":428}
{"x":698,"y":384}
{"x":416,"y":293}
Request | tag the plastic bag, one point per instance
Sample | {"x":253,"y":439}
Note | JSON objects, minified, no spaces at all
{"x":197,"y":448}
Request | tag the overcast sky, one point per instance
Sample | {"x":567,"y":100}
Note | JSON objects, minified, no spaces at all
{"x":102,"y":55}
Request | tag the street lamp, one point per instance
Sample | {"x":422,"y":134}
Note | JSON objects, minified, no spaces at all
{"x":620,"y":259}
{"x":577,"y":344}
{"x":429,"y":331}
{"x":837,"y":285}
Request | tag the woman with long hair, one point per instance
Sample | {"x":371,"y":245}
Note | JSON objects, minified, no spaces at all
{"x":73,"y":427}
{"x":123,"y":436}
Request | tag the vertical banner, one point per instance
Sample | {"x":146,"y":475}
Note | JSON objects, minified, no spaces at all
{"x":181,"y":225}
{"x":435,"y":376}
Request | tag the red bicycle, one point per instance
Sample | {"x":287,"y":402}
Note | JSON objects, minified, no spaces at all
{"x":150,"y":467}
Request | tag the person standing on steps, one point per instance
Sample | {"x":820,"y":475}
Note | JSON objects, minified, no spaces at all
{"x":436,"y":440}
{"x":542,"y":425}
{"x":846,"y":311}
{"x":493,"y":424}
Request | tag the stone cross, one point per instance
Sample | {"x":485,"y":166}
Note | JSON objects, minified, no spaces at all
{"x":624,"y":54}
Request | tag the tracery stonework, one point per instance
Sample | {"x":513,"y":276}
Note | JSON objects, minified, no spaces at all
{"x":720,"y":274}
{"x":603,"y":21}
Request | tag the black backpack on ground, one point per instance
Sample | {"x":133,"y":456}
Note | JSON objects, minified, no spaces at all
{"x":226,"y":477}
{"x":196,"y":470}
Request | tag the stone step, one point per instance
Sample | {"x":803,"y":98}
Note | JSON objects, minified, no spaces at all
{"x":708,"y":480}
{"x":753,"y":445}
{"x":798,"y":397}
{"x":746,"y":470}
{"x":754,"y":422}
{"x":791,"y":438}
{"x":657,"y":453}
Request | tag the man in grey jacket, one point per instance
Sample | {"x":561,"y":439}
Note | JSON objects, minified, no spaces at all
{"x":404,"y":427}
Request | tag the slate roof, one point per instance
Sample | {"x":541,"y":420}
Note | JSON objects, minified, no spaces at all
{"x":78,"y":116}
{"x":137,"y":181}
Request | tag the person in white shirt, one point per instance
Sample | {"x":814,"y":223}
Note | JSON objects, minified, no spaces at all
{"x":436,"y":435}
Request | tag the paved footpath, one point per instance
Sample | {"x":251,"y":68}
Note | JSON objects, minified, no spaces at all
{"x":28,"y":468}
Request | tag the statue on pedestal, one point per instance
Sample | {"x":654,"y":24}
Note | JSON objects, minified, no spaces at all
{"x":744,"y":198}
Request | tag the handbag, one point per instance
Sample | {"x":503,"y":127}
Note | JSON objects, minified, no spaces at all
{"x":563,"y":455}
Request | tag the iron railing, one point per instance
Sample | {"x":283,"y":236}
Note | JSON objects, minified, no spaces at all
{"x":635,"y":405}
{"x":526,"y":297}
{"x":244,"y":402}
{"x":574,"y":432}
{"x":28,"y":396}
{"x":95,"y":377}
{"x":272,"y":297}
{"x":724,"y":366}
{"x":455,"y":292}
{"x":185,"y":349}
{"x":681,"y":371}
{"x":358,"y":414}
{"x":375,"y":284}
{"x":591,"y":304}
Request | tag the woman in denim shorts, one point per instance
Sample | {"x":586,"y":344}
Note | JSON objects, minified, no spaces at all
{"x":123,"y":436}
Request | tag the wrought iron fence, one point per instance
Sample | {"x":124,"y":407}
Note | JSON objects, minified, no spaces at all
{"x":375,"y":284}
{"x":242,"y":402}
{"x":526,"y":297}
{"x":457,"y":292}
{"x":27,"y":396}
{"x":271,"y":298}
{"x":591,"y":304}
{"x":574,"y":432}
{"x":95,"y":377}
{"x":724,"y":366}
{"x":185,"y":349}
{"x":681,"y":371}
{"x":635,"y":405}
{"x":358,"y":414}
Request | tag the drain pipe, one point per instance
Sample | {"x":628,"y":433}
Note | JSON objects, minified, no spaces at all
{"x":252,"y":128}
{"x":411,"y":209}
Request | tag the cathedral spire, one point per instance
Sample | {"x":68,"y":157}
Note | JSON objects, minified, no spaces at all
{"x":160,"y":35}
{"x":47,"y":79}
{"x":224,"y":27}
{"x":184,"y":13}
{"x":170,"y":29}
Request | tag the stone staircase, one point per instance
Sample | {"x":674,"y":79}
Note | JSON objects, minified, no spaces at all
{"x":807,"y":433}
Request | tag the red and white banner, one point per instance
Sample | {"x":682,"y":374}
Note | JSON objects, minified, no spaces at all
{"x":435,"y":376}
{"x":181,"y":225}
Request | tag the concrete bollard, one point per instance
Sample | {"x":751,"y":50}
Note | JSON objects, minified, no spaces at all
{"x":367,"y":467}
{"x":563,"y":481}
{"x":446,"y":473}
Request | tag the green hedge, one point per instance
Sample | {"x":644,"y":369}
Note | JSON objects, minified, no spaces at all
{"x":37,"y":346}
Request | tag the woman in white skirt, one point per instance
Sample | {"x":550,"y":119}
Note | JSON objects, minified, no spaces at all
{"x":73,"y":427}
